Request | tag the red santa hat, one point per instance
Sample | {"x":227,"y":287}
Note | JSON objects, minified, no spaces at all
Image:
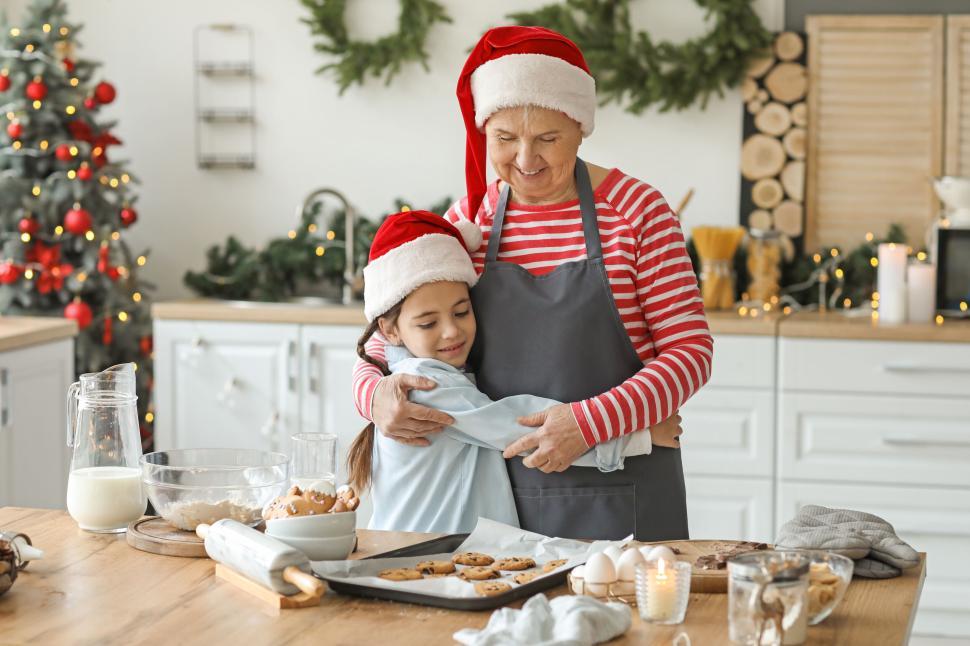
{"x":513,"y":66}
{"x":413,"y":248}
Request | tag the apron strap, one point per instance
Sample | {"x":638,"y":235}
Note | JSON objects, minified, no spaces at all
{"x":587,"y":206}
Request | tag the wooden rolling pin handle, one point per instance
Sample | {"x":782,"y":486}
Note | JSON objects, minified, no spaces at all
{"x":305,"y":582}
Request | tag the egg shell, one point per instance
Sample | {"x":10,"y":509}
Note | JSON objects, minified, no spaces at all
{"x":579,"y":571}
{"x":660,"y":552}
{"x":614,"y":553}
{"x":626,"y":568}
{"x":600,"y":569}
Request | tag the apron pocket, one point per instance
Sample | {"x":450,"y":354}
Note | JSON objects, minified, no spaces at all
{"x":527,"y":507}
{"x":608,"y":513}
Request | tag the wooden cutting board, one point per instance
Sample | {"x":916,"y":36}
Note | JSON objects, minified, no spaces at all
{"x":710,"y":581}
{"x":154,"y":534}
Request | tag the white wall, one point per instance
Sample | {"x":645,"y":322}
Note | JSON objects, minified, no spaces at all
{"x":374,"y":143}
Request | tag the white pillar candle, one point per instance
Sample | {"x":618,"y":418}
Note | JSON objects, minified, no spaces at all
{"x":661,"y":591}
{"x":891,"y":283}
{"x":921,"y":292}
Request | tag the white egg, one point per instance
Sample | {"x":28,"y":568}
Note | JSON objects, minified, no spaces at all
{"x":600,"y":569}
{"x":614,"y":553}
{"x":579,"y":572}
{"x":626,"y":568}
{"x":659,"y":552}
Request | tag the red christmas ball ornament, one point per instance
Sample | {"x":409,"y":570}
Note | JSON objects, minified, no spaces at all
{"x":77,"y":220}
{"x":113,"y":273}
{"x":4,"y":82}
{"x":84,"y":173}
{"x":28,"y":225}
{"x":68,"y":65}
{"x":90,"y":103}
{"x":15,"y":129}
{"x":10,"y":273}
{"x":145,"y":344}
{"x":128,"y":216}
{"x":104,"y":92}
{"x":63,"y":153}
{"x":36,"y":90}
{"x":80,"y":312}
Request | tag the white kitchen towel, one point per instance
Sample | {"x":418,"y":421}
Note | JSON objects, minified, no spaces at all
{"x":574,"y":620}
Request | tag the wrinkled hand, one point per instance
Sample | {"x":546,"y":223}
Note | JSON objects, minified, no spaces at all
{"x":667,"y":433}
{"x":403,"y":420}
{"x":558,"y":442}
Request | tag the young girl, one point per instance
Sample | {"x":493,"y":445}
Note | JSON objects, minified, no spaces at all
{"x":416,"y":295}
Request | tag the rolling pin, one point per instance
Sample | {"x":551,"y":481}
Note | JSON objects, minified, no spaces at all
{"x":264,"y":559}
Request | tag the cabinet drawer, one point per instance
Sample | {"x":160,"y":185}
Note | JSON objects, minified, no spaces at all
{"x":730,"y":508}
{"x":905,"y":368}
{"x":932,"y":520}
{"x":728,"y":431}
{"x":743,"y":361}
{"x":918,"y":440}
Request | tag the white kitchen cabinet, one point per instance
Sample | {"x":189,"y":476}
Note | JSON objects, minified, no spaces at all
{"x":730,"y":508}
{"x":729,"y":431}
{"x":934,"y":520}
{"x":34,"y":457}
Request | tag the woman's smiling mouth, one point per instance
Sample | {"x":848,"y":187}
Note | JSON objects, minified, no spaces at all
{"x":452,"y":349}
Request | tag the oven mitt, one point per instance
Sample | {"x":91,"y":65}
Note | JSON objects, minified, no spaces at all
{"x":854,"y":534}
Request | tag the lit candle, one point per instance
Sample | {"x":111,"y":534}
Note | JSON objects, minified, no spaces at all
{"x":921,"y":292}
{"x":891,"y":283}
{"x":661,"y":592}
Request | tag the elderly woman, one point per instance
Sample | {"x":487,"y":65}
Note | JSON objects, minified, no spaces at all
{"x":586,"y":295}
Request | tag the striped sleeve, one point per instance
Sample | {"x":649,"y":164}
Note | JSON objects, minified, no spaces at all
{"x":366,"y":376}
{"x":671,"y":305}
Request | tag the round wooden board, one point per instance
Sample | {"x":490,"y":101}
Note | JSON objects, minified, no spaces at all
{"x":709,"y":581}
{"x":154,"y":534}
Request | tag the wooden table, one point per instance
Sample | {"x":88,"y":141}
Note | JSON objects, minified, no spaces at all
{"x":95,"y":589}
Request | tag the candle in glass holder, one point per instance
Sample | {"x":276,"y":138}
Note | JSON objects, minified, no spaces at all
{"x":661,"y":592}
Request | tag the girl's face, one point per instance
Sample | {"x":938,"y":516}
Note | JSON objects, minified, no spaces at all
{"x":534,"y":150}
{"x":436,"y":322}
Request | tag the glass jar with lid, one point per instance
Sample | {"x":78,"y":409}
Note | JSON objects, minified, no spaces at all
{"x":767,"y":598}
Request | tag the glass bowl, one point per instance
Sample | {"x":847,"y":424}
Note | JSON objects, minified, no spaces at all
{"x":188,"y":487}
{"x":829,"y":576}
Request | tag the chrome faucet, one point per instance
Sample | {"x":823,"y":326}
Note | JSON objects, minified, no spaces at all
{"x":350,"y":217}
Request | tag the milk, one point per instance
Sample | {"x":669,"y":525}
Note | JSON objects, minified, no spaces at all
{"x":105,"y":499}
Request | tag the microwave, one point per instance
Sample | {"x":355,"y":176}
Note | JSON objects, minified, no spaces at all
{"x":953,"y":272}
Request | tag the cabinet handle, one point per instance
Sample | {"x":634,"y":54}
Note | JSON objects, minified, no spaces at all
{"x":920,"y":441}
{"x":4,"y":402}
{"x":290,"y":366}
{"x":922,"y":368}
{"x":313,"y":369}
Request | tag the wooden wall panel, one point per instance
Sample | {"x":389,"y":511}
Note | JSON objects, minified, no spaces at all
{"x":957,"y":141}
{"x":875,"y":126}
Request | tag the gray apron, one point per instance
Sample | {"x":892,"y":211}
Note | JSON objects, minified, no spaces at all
{"x":560,"y":336}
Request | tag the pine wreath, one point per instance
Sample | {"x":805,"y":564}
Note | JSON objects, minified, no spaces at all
{"x":356,"y":59}
{"x":629,"y":67}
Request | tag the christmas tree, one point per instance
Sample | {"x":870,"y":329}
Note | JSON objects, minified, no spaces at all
{"x":64,"y":205}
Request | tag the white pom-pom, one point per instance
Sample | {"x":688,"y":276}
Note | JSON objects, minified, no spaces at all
{"x":471,"y":234}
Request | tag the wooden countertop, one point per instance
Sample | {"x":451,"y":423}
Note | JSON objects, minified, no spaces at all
{"x":835,"y":325}
{"x":257,"y":312}
{"x":95,"y":589}
{"x":23,"y":331}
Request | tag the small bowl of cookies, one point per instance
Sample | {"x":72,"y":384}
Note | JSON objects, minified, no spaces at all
{"x":829,"y":576}
{"x":321,"y":525}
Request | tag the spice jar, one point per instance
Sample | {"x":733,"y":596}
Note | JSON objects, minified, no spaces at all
{"x":767,"y":598}
{"x":764,"y":264}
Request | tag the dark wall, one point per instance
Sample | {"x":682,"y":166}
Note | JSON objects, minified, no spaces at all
{"x":796,"y":10}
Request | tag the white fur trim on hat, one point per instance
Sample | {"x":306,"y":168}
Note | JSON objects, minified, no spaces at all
{"x":471,"y":234}
{"x":428,"y":259}
{"x":534,"y":79}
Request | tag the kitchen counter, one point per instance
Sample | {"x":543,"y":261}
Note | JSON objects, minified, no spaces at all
{"x":835,"y":325}
{"x":22,"y":331}
{"x":95,"y":589}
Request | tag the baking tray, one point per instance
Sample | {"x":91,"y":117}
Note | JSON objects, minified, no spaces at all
{"x":448,"y":543}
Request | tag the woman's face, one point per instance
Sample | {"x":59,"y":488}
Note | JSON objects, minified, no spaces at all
{"x":436,"y":322}
{"x":534,"y":150}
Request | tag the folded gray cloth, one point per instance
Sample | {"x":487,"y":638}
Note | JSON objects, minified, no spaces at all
{"x":575,"y":620}
{"x":867,"y":539}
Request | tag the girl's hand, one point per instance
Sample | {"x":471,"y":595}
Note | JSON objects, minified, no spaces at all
{"x":558,"y":442}
{"x":403,"y":420}
{"x":667,"y":433}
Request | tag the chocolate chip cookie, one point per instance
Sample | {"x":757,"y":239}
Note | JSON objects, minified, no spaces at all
{"x":524,"y":577}
{"x":478,"y":573}
{"x":400,"y":574}
{"x":492,"y":588}
{"x":514,"y":563}
{"x":552,"y":565}
{"x":435,"y":567}
{"x":472,"y":558}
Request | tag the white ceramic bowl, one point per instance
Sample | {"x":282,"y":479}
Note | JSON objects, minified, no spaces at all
{"x":336,"y":548}
{"x":320,"y":526}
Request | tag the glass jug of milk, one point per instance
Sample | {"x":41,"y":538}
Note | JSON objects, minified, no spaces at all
{"x":104,"y":489}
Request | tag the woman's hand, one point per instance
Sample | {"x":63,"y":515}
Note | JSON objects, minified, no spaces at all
{"x":403,"y":420}
{"x":558,"y":442}
{"x":667,"y":433}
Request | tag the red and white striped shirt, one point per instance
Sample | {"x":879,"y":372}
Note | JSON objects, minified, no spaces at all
{"x":653,"y":285}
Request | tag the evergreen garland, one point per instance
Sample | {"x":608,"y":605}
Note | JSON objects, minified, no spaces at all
{"x":356,"y":59}
{"x":631,"y":68}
